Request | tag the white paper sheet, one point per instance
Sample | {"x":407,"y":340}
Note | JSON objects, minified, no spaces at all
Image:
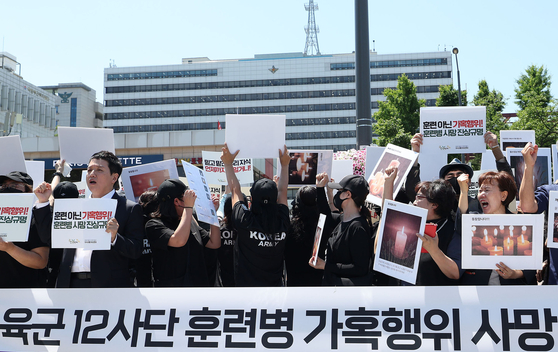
{"x":516,"y":139}
{"x":256,"y":136}
{"x":78,"y":144}
{"x":373,"y":154}
{"x":14,"y":160}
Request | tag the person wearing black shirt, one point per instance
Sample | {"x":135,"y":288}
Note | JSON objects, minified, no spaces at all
{"x":349,"y":249}
{"x":262,"y":229}
{"x":177,"y":241}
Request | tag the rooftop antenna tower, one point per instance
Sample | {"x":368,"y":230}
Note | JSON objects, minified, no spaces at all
{"x":311,"y":30}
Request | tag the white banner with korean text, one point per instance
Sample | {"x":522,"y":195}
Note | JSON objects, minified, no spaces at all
{"x":458,"y":318}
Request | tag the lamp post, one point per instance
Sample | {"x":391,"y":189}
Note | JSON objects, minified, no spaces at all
{"x":455,"y":51}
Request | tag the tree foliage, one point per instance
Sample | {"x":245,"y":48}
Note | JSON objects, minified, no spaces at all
{"x":495,"y":104}
{"x":449,"y":96}
{"x":398,"y":117}
{"x":540,"y":115}
{"x":534,"y":83}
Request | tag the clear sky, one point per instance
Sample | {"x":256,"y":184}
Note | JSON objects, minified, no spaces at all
{"x":73,"y":41}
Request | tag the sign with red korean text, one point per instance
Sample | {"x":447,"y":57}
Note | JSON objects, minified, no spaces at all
{"x":215,"y":169}
{"x":552,"y":238}
{"x":82,"y":223}
{"x":446,"y":319}
{"x":514,"y":239}
{"x":458,"y":129}
{"x":15,"y":216}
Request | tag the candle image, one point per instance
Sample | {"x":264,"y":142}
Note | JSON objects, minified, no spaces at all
{"x":400,"y":243}
{"x":523,"y":229}
{"x":496,"y":250}
{"x":508,"y":247}
{"x":522,"y":245}
{"x":528,"y":252}
{"x":486,"y":241}
{"x":502,"y":228}
{"x":511,"y":231}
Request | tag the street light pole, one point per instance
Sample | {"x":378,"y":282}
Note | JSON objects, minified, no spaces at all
{"x":455,"y":51}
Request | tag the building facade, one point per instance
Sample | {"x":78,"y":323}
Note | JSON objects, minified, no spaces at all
{"x":25,"y":109}
{"x":77,"y":106}
{"x":316,"y":93}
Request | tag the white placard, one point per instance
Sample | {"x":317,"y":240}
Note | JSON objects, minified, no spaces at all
{"x":516,"y":139}
{"x":487,"y":160}
{"x":431,"y":164}
{"x":36,"y":169}
{"x":340,"y":169}
{"x":305,"y":165}
{"x":147,"y":177}
{"x":373,"y":154}
{"x":15,"y":216}
{"x":541,"y":172}
{"x":82,"y":223}
{"x":398,"y":250}
{"x":318,"y":238}
{"x":552,"y":234}
{"x":515,"y":240}
{"x":392,"y":156}
{"x":205,"y":209}
{"x":14,"y":159}
{"x":256,"y":136}
{"x":78,"y":144}
{"x":555,"y":163}
{"x":215,"y":169}
{"x":450,"y":130}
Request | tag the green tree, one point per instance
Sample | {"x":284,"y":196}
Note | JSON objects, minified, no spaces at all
{"x":449,"y":96}
{"x":398,"y":117}
{"x":495,"y":104}
{"x":535,"y":80}
{"x":540,"y":115}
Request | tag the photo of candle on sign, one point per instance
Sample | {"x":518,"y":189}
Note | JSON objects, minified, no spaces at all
{"x":399,"y":241}
{"x":501,"y":240}
{"x":376,"y":178}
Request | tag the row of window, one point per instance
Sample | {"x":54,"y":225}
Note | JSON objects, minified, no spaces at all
{"x":231,"y":97}
{"x":319,"y":135}
{"x":334,"y":147}
{"x":170,"y":127}
{"x":429,"y":102}
{"x":230,"y":84}
{"x":392,"y":63}
{"x":412,"y":76}
{"x":420,"y":89}
{"x":164,"y":74}
{"x":322,"y":121}
{"x":224,"y":111}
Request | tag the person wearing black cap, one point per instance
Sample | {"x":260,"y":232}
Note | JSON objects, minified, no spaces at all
{"x":177,"y":240}
{"x":106,"y":268}
{"x":262,"y":229}
{"x":349,"y":251}
{"x":22,"y":262}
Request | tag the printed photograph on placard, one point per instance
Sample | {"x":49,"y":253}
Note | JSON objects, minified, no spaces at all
{"x":318,"y":238}
{"x":554,"y":162}
{"x":306,"y":164}
{"x":393,"y":156}
{"x":515,"y":240}
{"x":147,"y":177}
{"x":552,"y":238}
{"x":510,"y":139}
{"x":541,"y":171}
{"x":398,"y":249}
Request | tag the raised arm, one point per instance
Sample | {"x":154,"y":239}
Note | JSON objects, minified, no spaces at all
{"x":284,"y":159}
{"x":527,"y":189}
{"x":182,"y":233}
{"x":227,"y":158}
{"x":463,"y":181}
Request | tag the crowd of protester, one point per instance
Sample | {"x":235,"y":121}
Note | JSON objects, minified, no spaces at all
{"x":160,"y":243}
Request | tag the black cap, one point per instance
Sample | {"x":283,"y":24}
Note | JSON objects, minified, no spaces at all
{"x":18,"y":176}
{"x":456,"y":164}
{"x":65,"y":189}
{"x":354,"y":183}
{"x":171,"y":189}
{"x":263,"y":191}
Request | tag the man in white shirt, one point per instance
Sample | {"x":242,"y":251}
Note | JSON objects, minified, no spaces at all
{"x":106,"y":268}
